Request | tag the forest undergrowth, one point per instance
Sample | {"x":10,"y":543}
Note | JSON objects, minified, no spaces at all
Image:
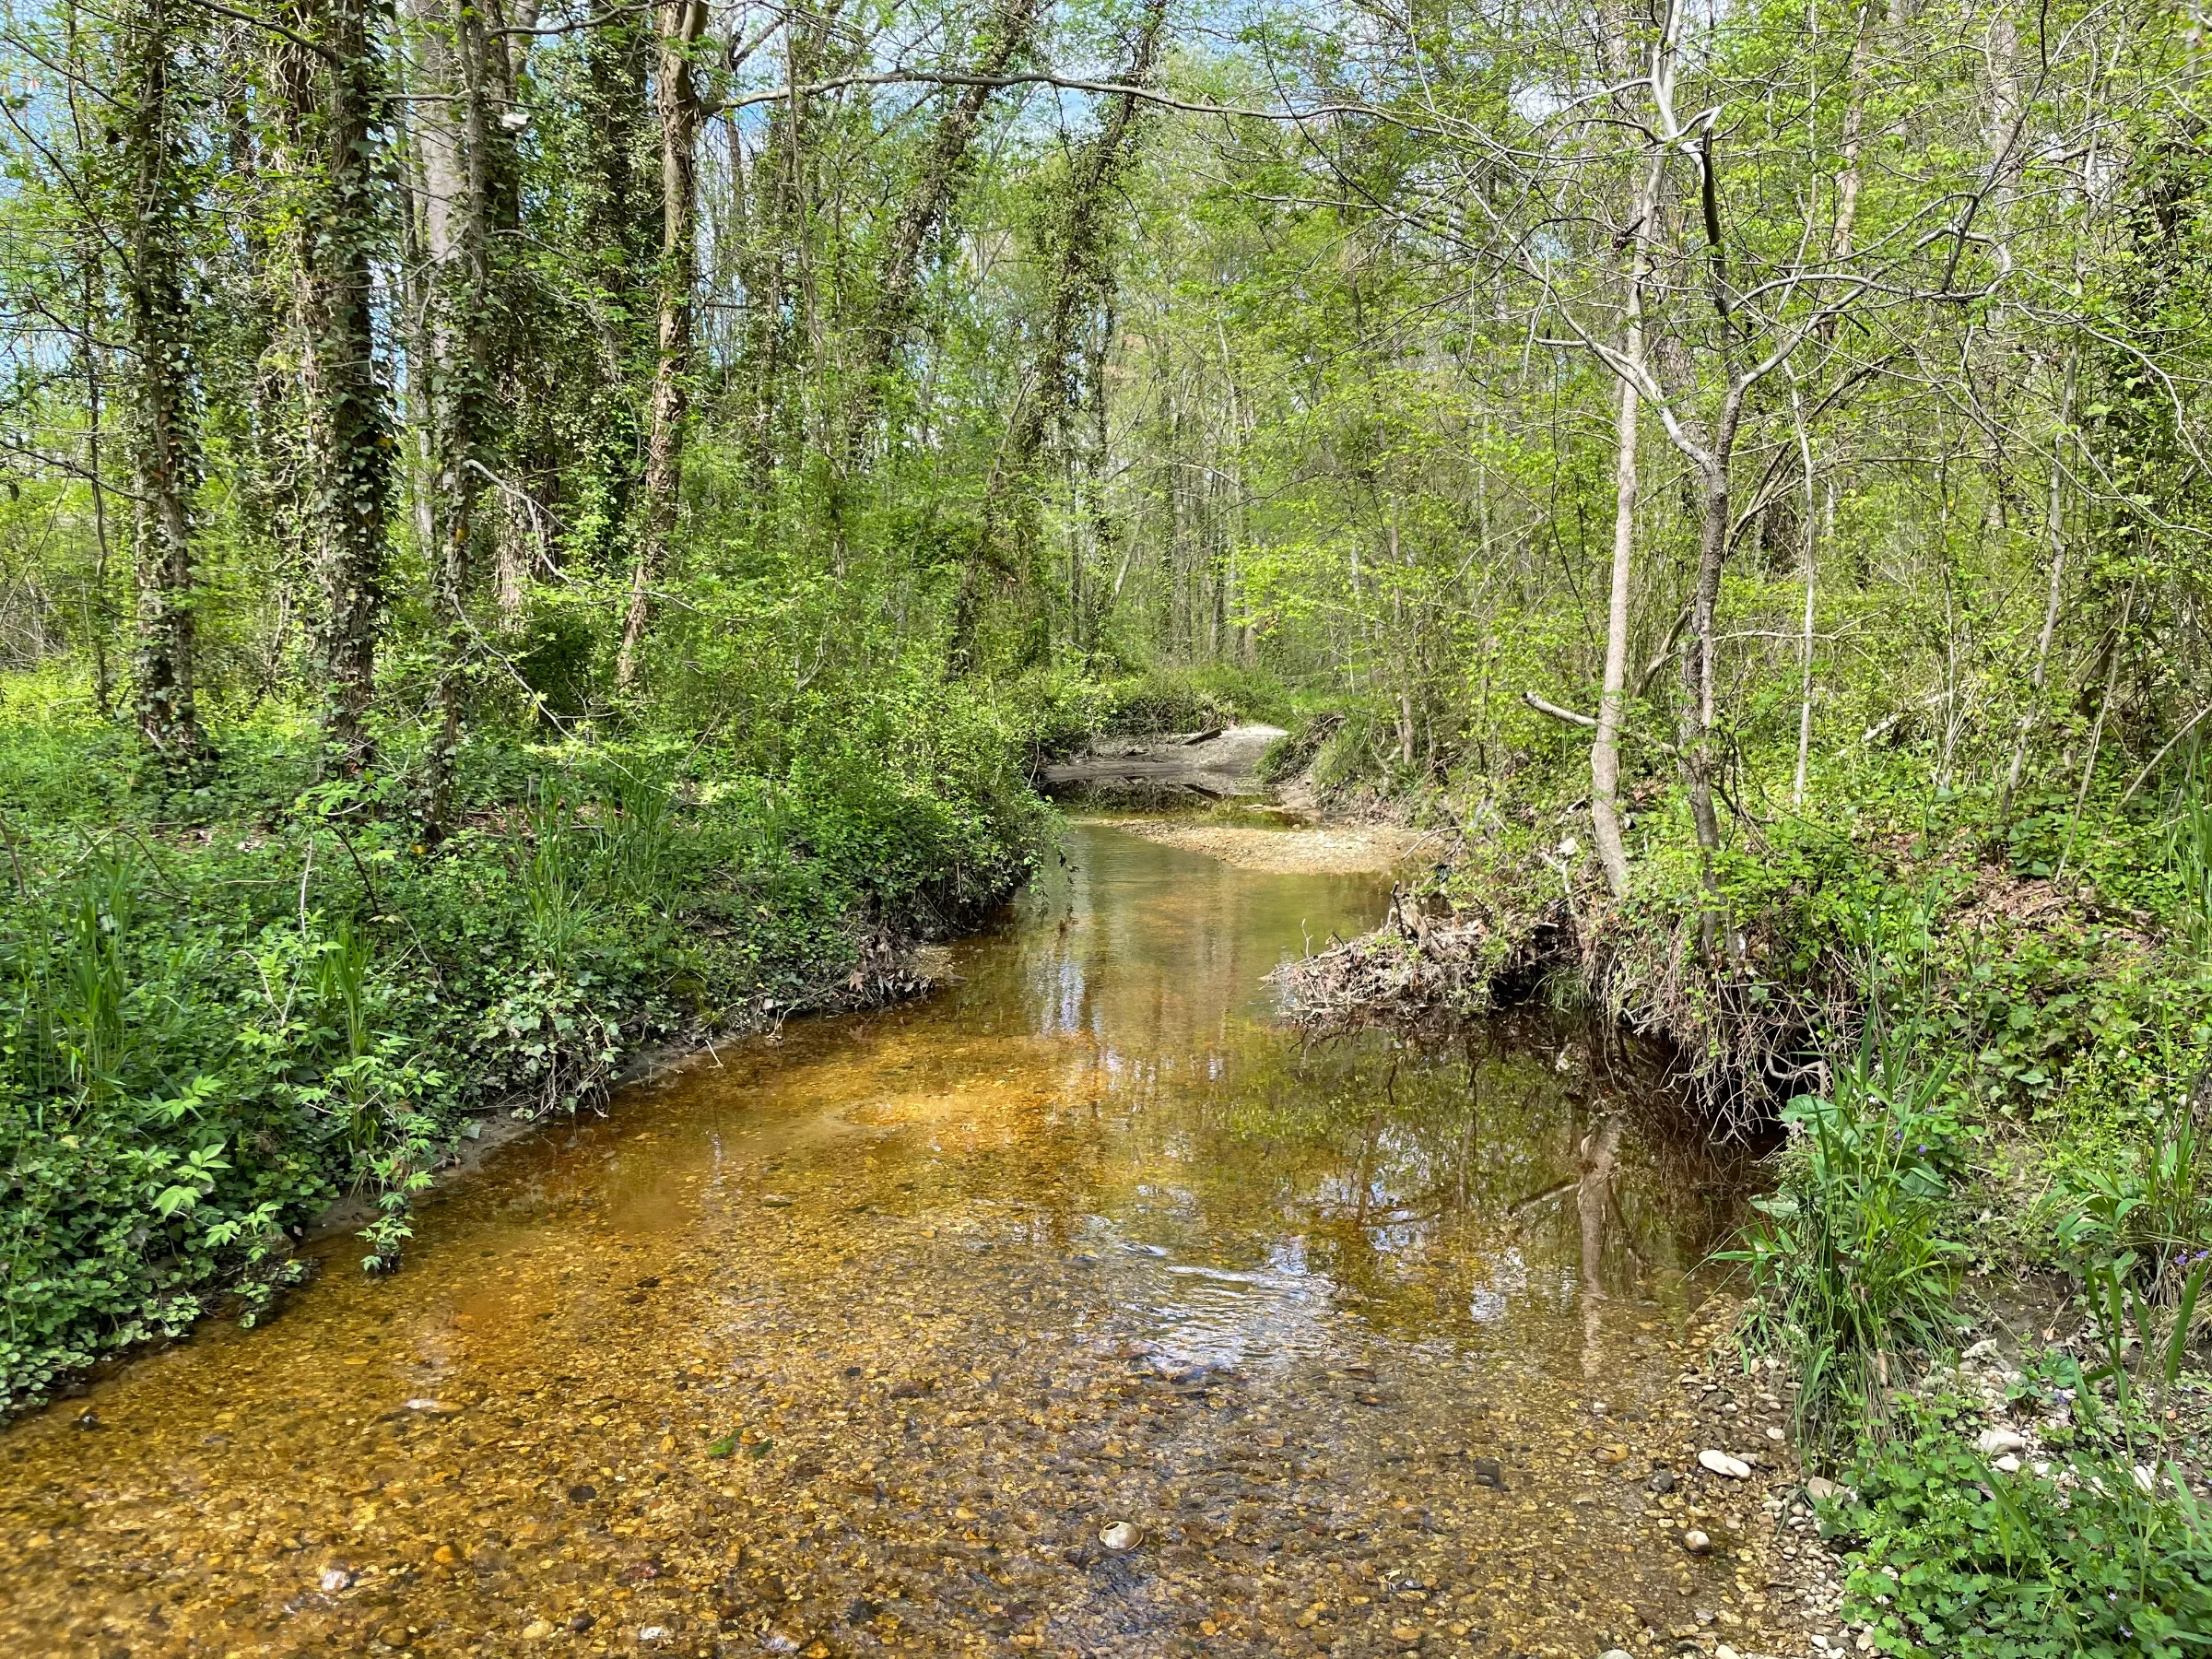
{"x":233,"y":999}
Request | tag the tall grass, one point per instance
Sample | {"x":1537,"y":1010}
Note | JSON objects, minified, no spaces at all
{"x":556,"y":878}
{"x":637,"y":838}
{"x":2189,"y":852}
{"x":1851,"y":1271}
{"x":2151,"y":1221}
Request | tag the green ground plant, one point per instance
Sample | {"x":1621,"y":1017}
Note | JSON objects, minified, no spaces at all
{"x":2099,"y":1547}
{"x":228,"y":1006}
{"x":1850,"y":1265}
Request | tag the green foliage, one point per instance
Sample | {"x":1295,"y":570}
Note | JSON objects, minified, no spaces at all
{"x":1850,"y":1265}
{"x":2142,"y":1212}
{"x":2189,"y":855}
{"x":225,"y":1010}
{"x":1954,"y":1558}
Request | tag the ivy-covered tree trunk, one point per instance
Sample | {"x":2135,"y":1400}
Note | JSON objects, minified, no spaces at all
{"x":453,"y":184}
{"x":1083,"y":289}
{"x":675,"y":99}
{"x":332,"y":105}
{"x":164,"y":415}
{"x":1005,"y":40}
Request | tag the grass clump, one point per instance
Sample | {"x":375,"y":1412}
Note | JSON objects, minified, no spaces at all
{"x":1851,"y":1272}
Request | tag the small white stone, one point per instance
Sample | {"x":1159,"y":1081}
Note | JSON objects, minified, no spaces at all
{"x":1696,"y":1542}
{"x":335,"y":1579}
{"x":1995,"y":1442}
{"x":1723,"y":1651}
{"x":1119,"y":1535}
{"x":1774,"y":1434}
{"x":537,"y":1629}
{"x":1720,"y":1463}
{"x":1817,"y":1486}
{"x":2009,"y":1463}
{"x":651,"y":1635}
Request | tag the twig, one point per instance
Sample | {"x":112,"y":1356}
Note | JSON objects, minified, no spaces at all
{"x":375,"y":904}
{"x":2187,"y":726}
{"x":1542,"y":706}
{"x":307,"y":869}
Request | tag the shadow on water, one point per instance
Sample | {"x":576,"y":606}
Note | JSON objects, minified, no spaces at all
{"x":856,"y":1340}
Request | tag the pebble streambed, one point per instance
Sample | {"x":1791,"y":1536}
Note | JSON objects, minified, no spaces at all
{"x":877,"y":1336}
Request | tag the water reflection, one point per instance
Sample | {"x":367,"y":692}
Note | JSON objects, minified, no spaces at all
{"x":855,"y":1338}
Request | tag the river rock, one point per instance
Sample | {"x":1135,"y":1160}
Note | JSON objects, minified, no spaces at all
{"x":1818,"y":1486}
{"x":2010,"y":1464}
{"x":1120,"y":1536}
{"x":1488,"y":1472}
{"x":1720,"y":1463}
{"x":1696,"y":1542}
{"x":336,"y":1579}
{"x":1663,"y":1481}
{"x":537,"y":1629}
{"x":1995,"y":1442}
{"x":1615,"y":1653}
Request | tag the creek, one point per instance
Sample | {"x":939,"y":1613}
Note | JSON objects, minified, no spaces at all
{"x":858,"y":1339}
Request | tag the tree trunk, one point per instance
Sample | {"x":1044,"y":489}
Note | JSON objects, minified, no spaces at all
{"x":1604,"y":749}
{"x":1083,"y":283}
{"x":676,"y":101}
{"x":1805,"y":647}
{"x":1854,"y":123}
{"x":452,"y":148}
{"x":2054,"y":532}
{"x":1006,"y":37}
{"x":349,"y":429}
{"x":1643,"y":205}
{"x":1699,"y":711}
{"x":1710,"y":455}
{"x":165,"y":451}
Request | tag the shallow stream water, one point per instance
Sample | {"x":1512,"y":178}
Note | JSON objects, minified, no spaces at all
{"x":858,"y":1339}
